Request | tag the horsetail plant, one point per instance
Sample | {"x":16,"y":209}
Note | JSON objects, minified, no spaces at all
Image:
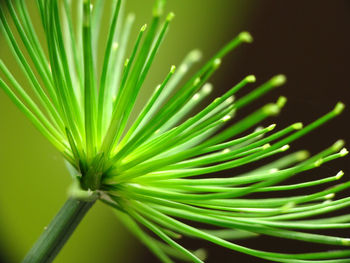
{"x":151,"y":170}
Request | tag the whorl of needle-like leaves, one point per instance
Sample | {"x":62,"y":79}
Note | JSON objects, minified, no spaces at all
{"x":150,"y":169}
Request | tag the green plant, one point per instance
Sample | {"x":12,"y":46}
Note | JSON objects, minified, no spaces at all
{"x":149,"y":172}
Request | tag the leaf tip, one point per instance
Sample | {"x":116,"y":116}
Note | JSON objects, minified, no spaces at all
{"x":339,"y":175}
{"x":170,"y":16}
{"x":339,"y":107}
{"x":250,"y":78}
{"x":278,"y":80}
{"x":245,"y":37}
{"x":302,"y":155}
{"x":297,"y":125}
{"x":343,"y":152}
{"x":271,"y":127}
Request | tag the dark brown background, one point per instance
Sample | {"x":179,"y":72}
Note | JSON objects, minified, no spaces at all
{"x":309,"y":42}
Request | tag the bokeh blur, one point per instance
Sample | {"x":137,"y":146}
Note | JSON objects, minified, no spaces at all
{"x":306,"y":40}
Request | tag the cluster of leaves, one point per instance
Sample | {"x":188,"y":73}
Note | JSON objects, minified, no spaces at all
{"x":152,"y":171}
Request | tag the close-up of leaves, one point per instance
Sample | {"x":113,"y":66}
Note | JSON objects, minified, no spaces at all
{"x":185,"y":167}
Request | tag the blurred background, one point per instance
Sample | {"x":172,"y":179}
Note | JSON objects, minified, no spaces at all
{"x":306,"y":40}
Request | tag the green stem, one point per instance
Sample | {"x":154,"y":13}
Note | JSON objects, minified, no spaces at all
{"x":60,"y":229}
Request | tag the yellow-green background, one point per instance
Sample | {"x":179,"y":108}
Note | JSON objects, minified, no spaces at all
{"x":33,"y":179}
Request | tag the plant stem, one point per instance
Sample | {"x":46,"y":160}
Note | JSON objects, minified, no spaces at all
{"x":60,"y":229}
